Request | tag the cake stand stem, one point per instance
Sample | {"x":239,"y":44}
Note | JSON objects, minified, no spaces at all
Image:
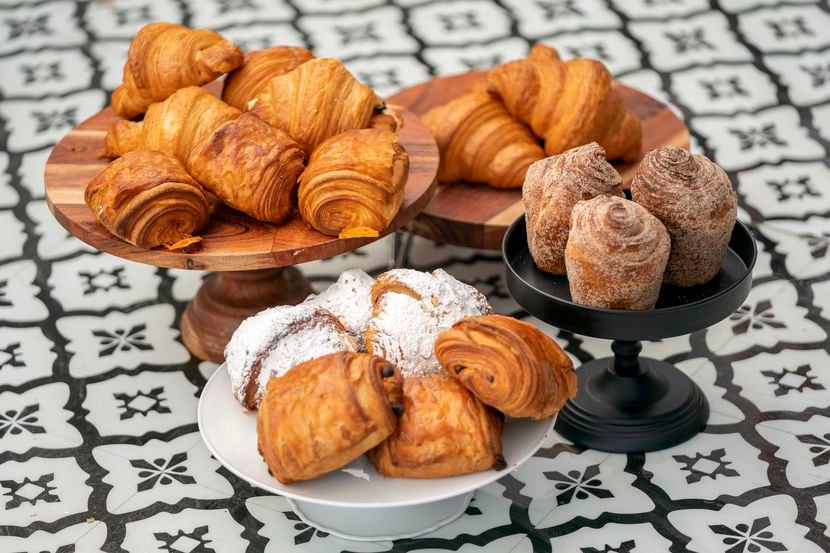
{"x":629,"y":403}
{"x":225,"y":299}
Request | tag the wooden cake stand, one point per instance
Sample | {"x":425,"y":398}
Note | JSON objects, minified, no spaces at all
{"x":476,"y":215}
{"x":253,"y":260}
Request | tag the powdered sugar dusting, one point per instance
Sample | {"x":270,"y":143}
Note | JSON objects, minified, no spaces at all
{"x":350,"y":298}
{"x":404,"y":328}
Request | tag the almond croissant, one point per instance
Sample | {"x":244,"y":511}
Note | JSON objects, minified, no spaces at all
{"x":244,"y":83}
{"x":568,"y":103}
{"x":480,"y":142}
{"x":354,"y":183}
{"x":148,"y":200}
{"x":164,"y":57}
{"x":318,"y":99}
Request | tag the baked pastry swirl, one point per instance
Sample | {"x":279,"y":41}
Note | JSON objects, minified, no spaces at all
{"x":508,"y":364}
{"x":325,"y":413}
{"x":552,"y":187}
{"x":273,"y":341}
{"x":568,"y":103}
{"x":354,"y":183}
{"x":616,"y":254}
{"x":443,"y":431}
{"x":480,"y":142}
{"x":148,"y":200}
{"x":350,"y":299}
{"x":244,"y":83}
{"x":164,"y":57}
{"x":694,"y":199}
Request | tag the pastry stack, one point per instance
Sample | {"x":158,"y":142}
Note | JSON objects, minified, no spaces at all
{"x":526,"y":109}
{"x":290,"y":132}
{"x":412,"y":369}
{"x":616,"y":252}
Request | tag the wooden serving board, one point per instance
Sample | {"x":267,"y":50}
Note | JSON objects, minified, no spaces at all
{"x":232,"y":241}
{"x":476,"y":215}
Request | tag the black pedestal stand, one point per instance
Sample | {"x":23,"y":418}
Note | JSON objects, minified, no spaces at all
{"x":628,"y":403}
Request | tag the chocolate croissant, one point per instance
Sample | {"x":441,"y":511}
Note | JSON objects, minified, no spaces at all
{"x":164,"y":57}
{"x":315,"y":101}
{"x":568,"y":103}
{"x":616,"y":254}
{"x":325,"y":413}
{"x":508,"y":364}
{"x":443,"y":431}
{"x":480,"y":142}
{"x":354,"y":183}
{"x":148,"y":200}
{"x":694,"y":199}
{"x":245,"y":82}
{"x":552,"y":187}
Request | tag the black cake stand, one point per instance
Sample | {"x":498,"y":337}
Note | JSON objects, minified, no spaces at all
{"x":627,"y":403}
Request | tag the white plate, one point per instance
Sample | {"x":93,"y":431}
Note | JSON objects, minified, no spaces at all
{"x":230,"y":434}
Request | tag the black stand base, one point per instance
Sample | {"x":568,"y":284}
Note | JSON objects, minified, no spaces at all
{"x":628,"y":404}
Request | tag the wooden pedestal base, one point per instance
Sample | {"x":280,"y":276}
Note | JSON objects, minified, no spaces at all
{"x":227,"y":298}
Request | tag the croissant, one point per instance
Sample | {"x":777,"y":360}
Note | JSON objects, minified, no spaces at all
{"x":244,"y":83}
{"x":354,"y":183}
{"x":694,"y":199}
{"x":568,"y":103}
{"x":164,"y":57}
{"x":552,"y":187}
{"x":325,"y":413}
{"x":318,"y":99}
{"x":480,"y":142}
{"x":148,"y":200}
{"x":387,"y":119}
{"x":616,"y":254}
{"x":443,"y":431}
{"x":508,"y":364}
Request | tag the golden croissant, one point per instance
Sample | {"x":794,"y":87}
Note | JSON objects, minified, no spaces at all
{"x":568,"y":103}
{"x":318,"y":99}
{"x":164,"y":57}
{"x":244,"y":83}
{"x":480,"y":142}
{"x":443,"y":431}
{"x":148,"y":200}
{"x":325,"y":413}
{"x":508,"y":364}
{"x":354,"y":183}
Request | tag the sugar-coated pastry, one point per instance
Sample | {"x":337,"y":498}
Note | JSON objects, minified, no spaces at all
{"x":480,"y":142}
{"x":508,"y":364}
{"x":552,"y":187}
{"x":274,"y":341}
{"x":616,"y":254}
{"x":244,"y":83}
{"x":410,"y":309}
{"x":148,"y":200}
{"x":350,"y":299}
{"x":444,"y":431}
{"x":354,"y":183}
{"x":694,"y":199}
{"x":325,"y":413}
{"x":567,"y":103}
{"x":164,"y":57}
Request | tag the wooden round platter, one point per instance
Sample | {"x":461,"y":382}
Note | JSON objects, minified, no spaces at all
{"x":476,"y":215}
{"x":254,"y":259}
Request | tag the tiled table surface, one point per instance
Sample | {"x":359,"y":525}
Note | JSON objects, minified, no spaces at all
{"x":99,"y":448}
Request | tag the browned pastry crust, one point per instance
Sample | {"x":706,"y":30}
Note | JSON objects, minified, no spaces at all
{"x":354,"y":183}
{"x":480,"y":142}
{"x":552,"y":187}
{"x":164,"y":57}
{"x":694,"y":199}
{"x":444,"y":431}
{"x":318,"y":99}
{"x":568,"y":103}
{"x":508,"y":364}
{"x":325,"y":413}
{"x":387,"y":119}
{"x":244,"y":83}
{"x":148,"y":200}
{"x":616,"y":254}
